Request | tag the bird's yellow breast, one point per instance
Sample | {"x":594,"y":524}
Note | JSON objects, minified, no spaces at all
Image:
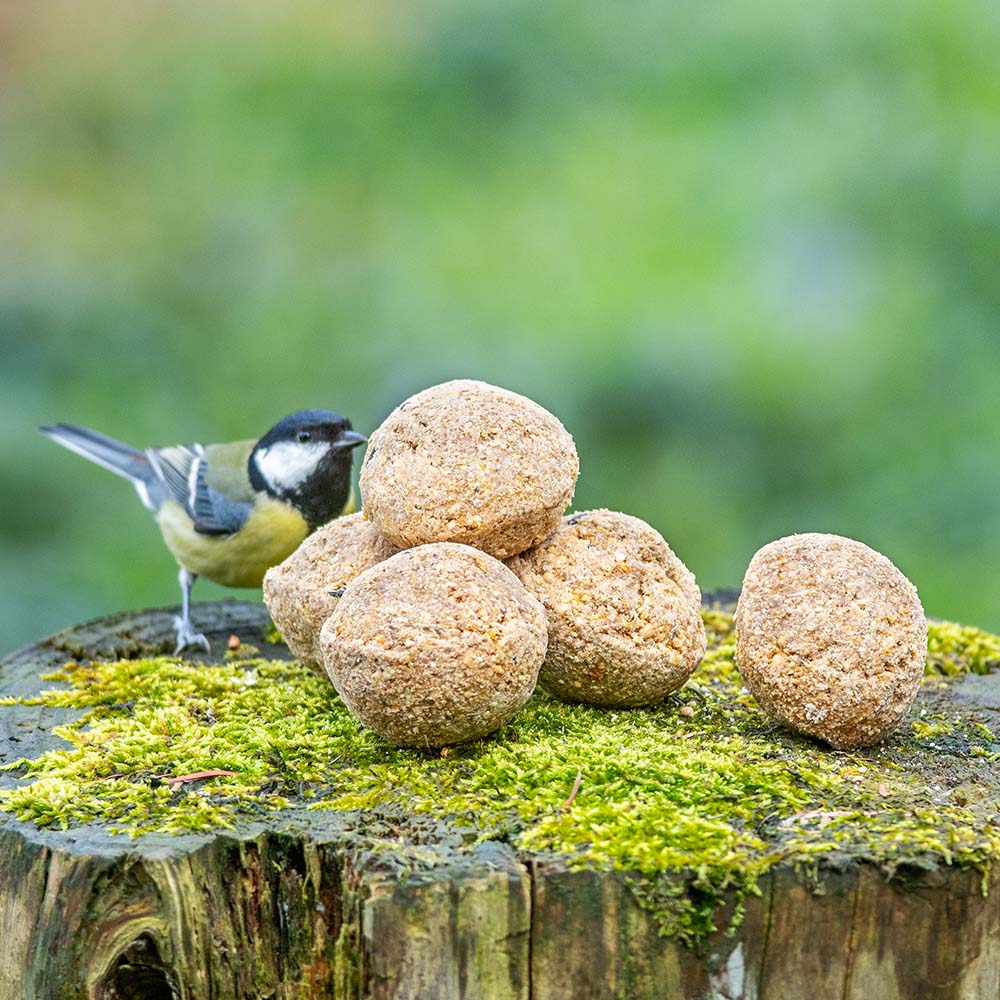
{"x":272,"y":533}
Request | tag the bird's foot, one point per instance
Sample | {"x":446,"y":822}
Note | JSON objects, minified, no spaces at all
{"x":186,"y":635}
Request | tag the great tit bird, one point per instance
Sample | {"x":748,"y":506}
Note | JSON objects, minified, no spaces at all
{"x":230,"y":511}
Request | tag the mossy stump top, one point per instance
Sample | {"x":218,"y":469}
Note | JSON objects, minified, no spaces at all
{"x":221,"y":827}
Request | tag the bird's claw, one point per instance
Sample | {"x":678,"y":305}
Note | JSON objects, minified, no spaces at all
{"x":186,"y":636}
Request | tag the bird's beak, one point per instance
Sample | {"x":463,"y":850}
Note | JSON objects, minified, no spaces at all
{"x":349,"y":439}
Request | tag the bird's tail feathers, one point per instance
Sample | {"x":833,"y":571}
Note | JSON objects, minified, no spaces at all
{"x":115,"y":456}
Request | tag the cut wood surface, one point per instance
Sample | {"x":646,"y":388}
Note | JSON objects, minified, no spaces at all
{"x":308,"y":904}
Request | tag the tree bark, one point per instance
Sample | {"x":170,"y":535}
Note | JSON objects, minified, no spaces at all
{"x":298,"y":906}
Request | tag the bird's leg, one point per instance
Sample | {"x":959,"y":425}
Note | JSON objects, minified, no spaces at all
{"x":186,"y":635}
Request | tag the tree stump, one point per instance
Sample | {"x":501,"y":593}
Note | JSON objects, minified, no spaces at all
{"x":305,"y":903}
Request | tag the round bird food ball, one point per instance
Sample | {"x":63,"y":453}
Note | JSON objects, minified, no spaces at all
{"x":297,"y":592}
{"x":624,"y":613}
{"x":438,"y":644}
{"x":468,"y":462}
{"x":831,"y":638}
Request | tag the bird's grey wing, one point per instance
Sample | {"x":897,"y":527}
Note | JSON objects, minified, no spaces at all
{"x":182,"y":469}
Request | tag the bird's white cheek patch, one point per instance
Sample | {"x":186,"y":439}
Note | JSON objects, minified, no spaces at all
{"x":286,"y":464}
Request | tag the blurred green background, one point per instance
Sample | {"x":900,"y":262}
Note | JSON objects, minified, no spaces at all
{"x":747,"y":252}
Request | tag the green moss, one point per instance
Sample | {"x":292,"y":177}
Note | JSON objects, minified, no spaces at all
{"x":960,"y":649}
{"x":928,"y":730}
{"x":272,"y":635}
{"x":703,"y":784}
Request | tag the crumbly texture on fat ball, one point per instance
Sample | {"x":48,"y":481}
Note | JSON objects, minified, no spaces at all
{"x":436,"y":645}
{"x":468,"y":462}
{"x":297,"y":591}
{"x":624,"y":613}
{"x":831,"y":638}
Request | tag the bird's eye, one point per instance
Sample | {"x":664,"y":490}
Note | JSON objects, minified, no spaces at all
{"x":305,"y":436}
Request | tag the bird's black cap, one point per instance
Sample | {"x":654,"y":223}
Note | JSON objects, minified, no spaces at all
{"x":325,"y":425}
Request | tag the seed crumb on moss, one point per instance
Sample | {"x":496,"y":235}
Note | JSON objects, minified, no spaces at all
{"x":712,"y":798}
